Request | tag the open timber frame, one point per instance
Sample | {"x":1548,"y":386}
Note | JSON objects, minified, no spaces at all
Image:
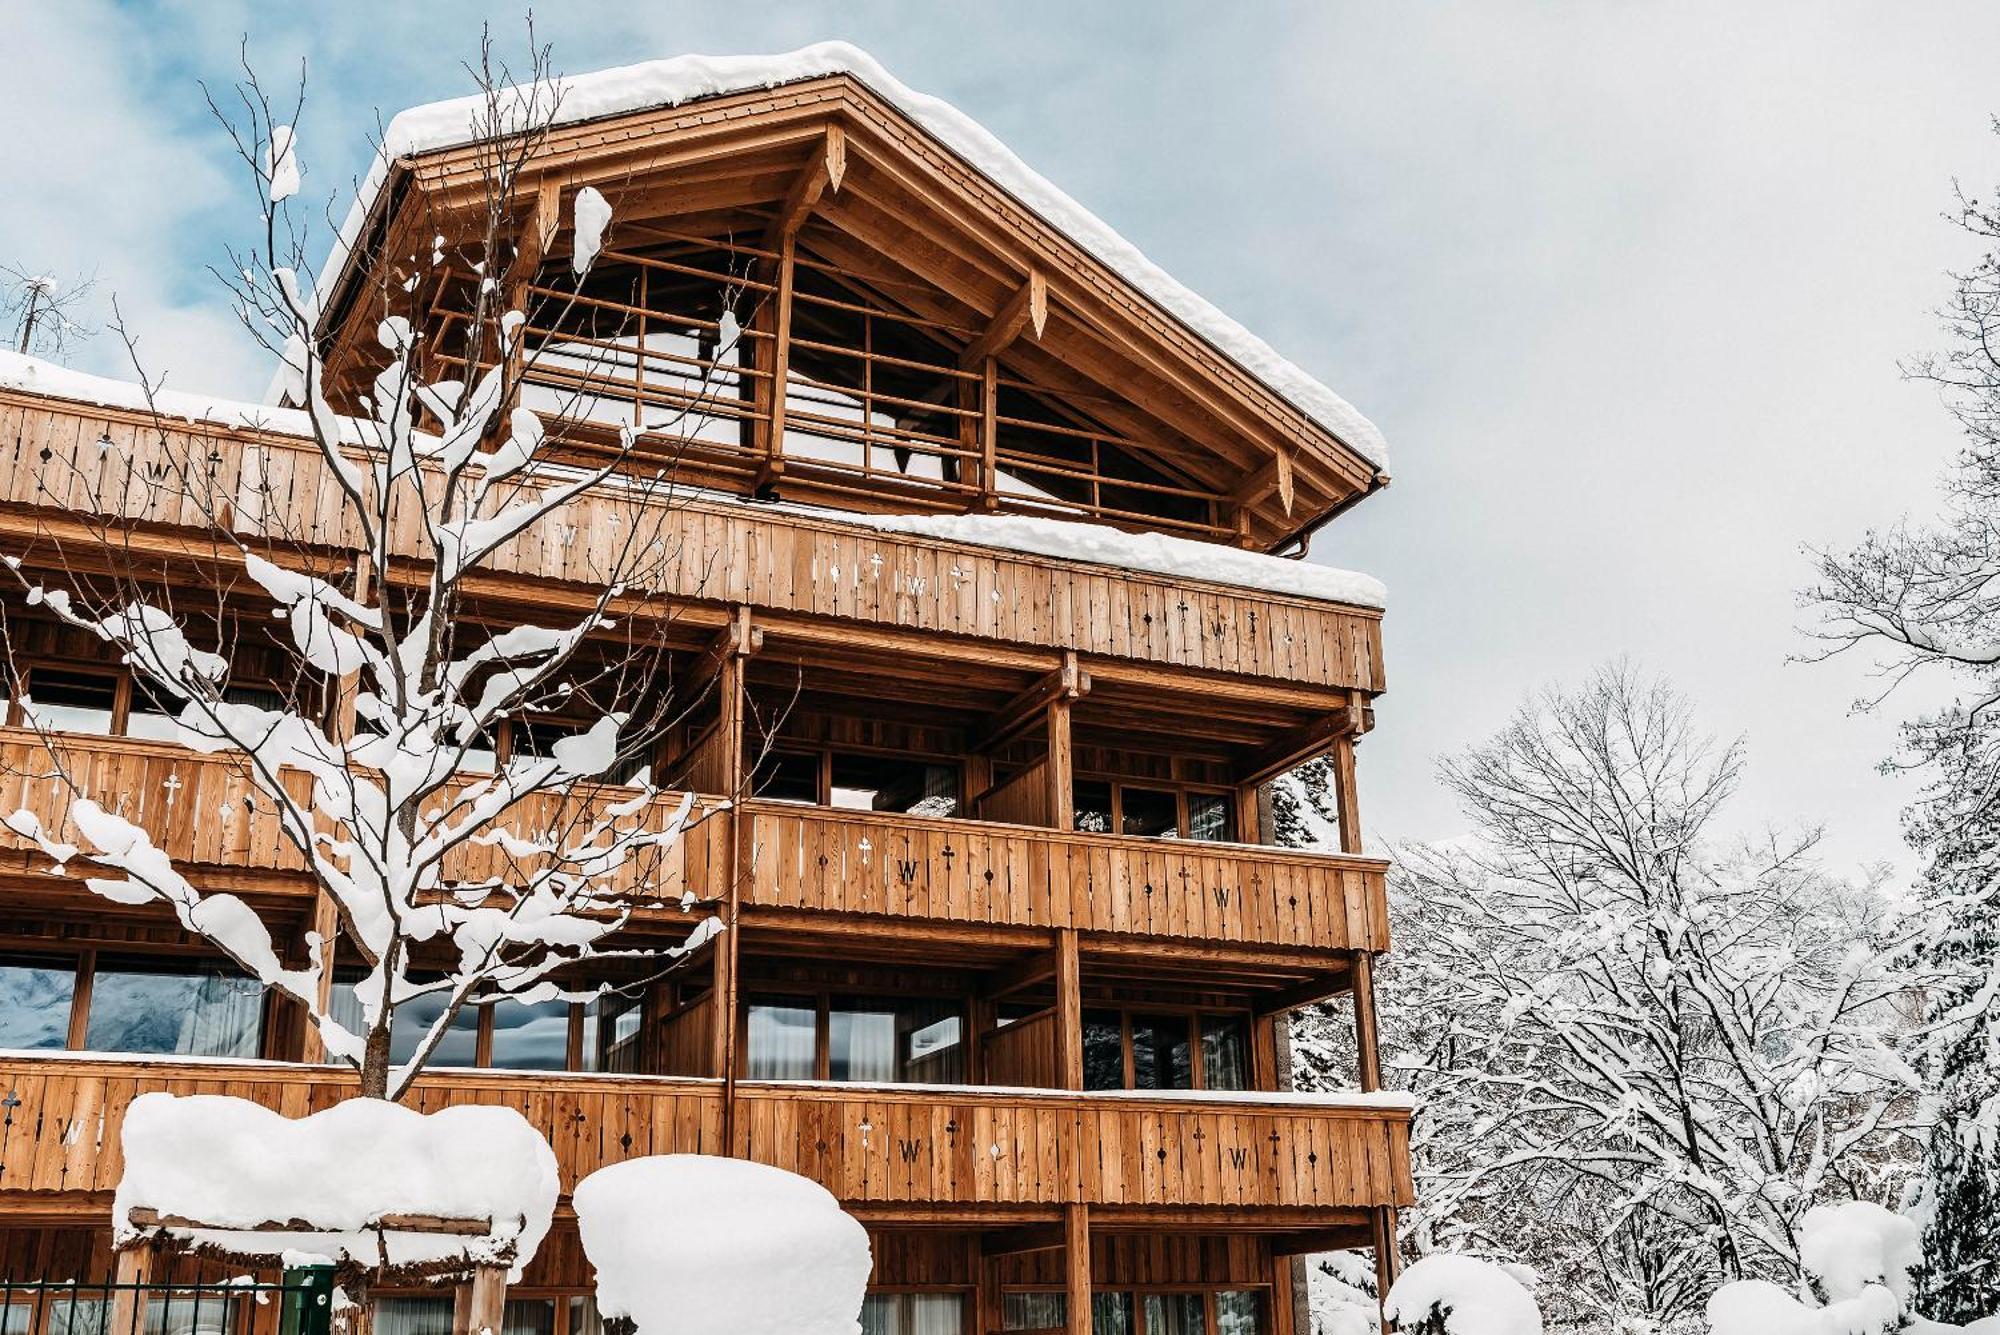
{"x":1084,"y":897}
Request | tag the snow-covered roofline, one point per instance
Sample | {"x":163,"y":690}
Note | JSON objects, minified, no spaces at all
{"x":667,"y":83}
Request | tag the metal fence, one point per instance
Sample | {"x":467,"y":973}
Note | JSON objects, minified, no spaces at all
{"x":301,"y":1303}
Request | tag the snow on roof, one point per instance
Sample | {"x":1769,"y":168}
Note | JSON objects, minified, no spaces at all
{"x":667,"y":83}
{"x":31,"y":375}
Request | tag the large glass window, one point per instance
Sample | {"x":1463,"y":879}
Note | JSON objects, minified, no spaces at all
{"x":1111,"y":1314}
{"x":1211,"y":817}
{"x":35,"y":997}
{"x":788,"y":776}
{"x":913,"y":1314}
{"x":530,"y":1037}
{"x":1033,"y":1310}
{"x":1161,"y":1055}
{"x":170,"y":1007}
{"x":1091,"y":803}
{"x":458,"y":1046}
{"x":782,"y":1041}
{"x":611,"y":1026}
{"x":66,"y":700}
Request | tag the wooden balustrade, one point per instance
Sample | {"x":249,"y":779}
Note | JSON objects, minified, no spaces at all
{"x":123,"y":465}
{"x":947,"y":1145}
{"x":894,"y":866}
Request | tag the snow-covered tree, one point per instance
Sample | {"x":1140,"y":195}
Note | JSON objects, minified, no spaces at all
{"x":450,"y":884}
{"x":39,"y":311}
{"x":1922,"y":602}
{"x":1640,"y":1053}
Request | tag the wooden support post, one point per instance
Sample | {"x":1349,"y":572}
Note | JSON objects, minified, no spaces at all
{"x":1367,"y":1046}
{"x":989,"y":434}
{"x":1347,"y":794}
{"x":1062,"y":803}
{"x":128,"y":1300}
{"x":772,"y":465}
{"x":1076,"y":1267}
{"x":485,"y":1303}
{"x":1388,"y":1260}
{"x":1069,"y":1009}
{"x":326,"y":924}
{"x":730,"y":702}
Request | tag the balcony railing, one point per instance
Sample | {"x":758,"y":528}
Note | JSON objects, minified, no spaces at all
{"x":913,"y":867}
{"x":867,"y":1144}
{"x":122,"y":465}
{"x":203,"y":811}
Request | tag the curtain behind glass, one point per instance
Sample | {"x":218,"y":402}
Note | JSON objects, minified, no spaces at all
{"x":1224,"y":1053}
{"x":1110,"y":1314}
{"x":1039,"y":1310}
{"x":428,"y":1315}
{"x":861,"y":1044}
{"x":781,"y":1041}
{"x":142,"y":1008}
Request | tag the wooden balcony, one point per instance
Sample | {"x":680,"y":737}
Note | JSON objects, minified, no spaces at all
{"x":910,"y":867}
{"x":203,"y":811}
{"x":869,"y":1145}
{"x":59,"y":455}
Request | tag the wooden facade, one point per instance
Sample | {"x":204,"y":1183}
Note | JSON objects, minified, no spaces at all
{"x":1080,"y":933}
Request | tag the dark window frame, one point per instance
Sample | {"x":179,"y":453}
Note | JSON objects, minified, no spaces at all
{"x":1194,"y":1017}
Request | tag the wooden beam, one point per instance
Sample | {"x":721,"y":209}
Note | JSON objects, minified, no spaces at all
{"x":486,"y":1301}
{"x":1025,"y":1238}
{"x":1027,"y":309}
{"x":823,"y":171}
{"x":1367,"y":1044}
{"x":1297,"y":746}
{"x":128,"y":1300}
{"x":1273,"y":476}
{"x":1303,"y":994}
{"x":1347,"y":794}
{"x":1309,"y":1240}
{"x":1067,"y":682}
{"x":1076,"y":1267}
{"x":1069,"y":1009}
{"x":741,"y":638}
{"x":1024,"y":973}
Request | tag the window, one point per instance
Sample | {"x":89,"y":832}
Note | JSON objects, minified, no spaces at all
{"x":856,"y":781}
{"x":530,"y":1036}
{"x":1103,"y":805}
{"x":912,"y":1314}
{"x":1033,"y":1311}
{"x":892,"y":783}
{"x":1175,"y":1314}
{"x":35,"y":997}
{"x":1161,"y":1058}
{"x":1239,"y":1312}
{"x":1149,"y":813}
{"x":879,"y":1041}
{"x":66,"y":700}
{"x":611,"y":1026}
{"x":1155,"y":1050}
{"x":458,"y":1047}
{"x":1111,"y":1314}
{"x":782,"y":1040}
{"x":429,"y":1315}
{"x":1225,"y":1053}
{"x":166,"y":1006}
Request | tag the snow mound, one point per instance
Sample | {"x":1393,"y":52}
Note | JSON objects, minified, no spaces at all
{"x":215,"y":1160}
{"x":1854,"y":1244}
{"x":691,"y":1244}
{"x":667,"y":83}
{"x":1156,"y":553}
{"x":1473,"y":1297}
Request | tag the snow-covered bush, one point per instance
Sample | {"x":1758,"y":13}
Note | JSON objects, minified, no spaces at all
{"x":1340,"y":1294}
{"x":1857,"y":1257}
{"x":1443,"y":1294}
{"x":238,"y":1166}
{"x":692,"y":1244}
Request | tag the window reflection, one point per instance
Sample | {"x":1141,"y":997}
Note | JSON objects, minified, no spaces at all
{"x":1161,"y":1056}
{"x":1174,"y":1314}
{"x":530,"y":1037}
{"x":1239,"y":1312}
{"x":35,"y":999}
{"x":1225,"y":1053}
{"x":169,"y":1007}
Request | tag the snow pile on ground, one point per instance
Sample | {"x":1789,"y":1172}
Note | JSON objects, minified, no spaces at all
{"x":666,"y":83}
{"x":1470,"y":1296}
{"x":1156,"y":553}
{"x":691,"y":1244}
{"x":1858,"y":1257}
{"x":223,"y":1161}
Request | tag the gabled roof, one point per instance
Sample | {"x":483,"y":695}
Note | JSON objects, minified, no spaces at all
{"x":1301,"y":412}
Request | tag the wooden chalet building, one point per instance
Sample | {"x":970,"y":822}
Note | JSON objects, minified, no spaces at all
{"x":1013,"y":953}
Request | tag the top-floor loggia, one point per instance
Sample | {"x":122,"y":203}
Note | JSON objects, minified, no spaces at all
{"x":819,"y":286}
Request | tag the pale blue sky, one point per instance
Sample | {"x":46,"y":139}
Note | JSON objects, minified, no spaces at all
{"x":1625,"y":286}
